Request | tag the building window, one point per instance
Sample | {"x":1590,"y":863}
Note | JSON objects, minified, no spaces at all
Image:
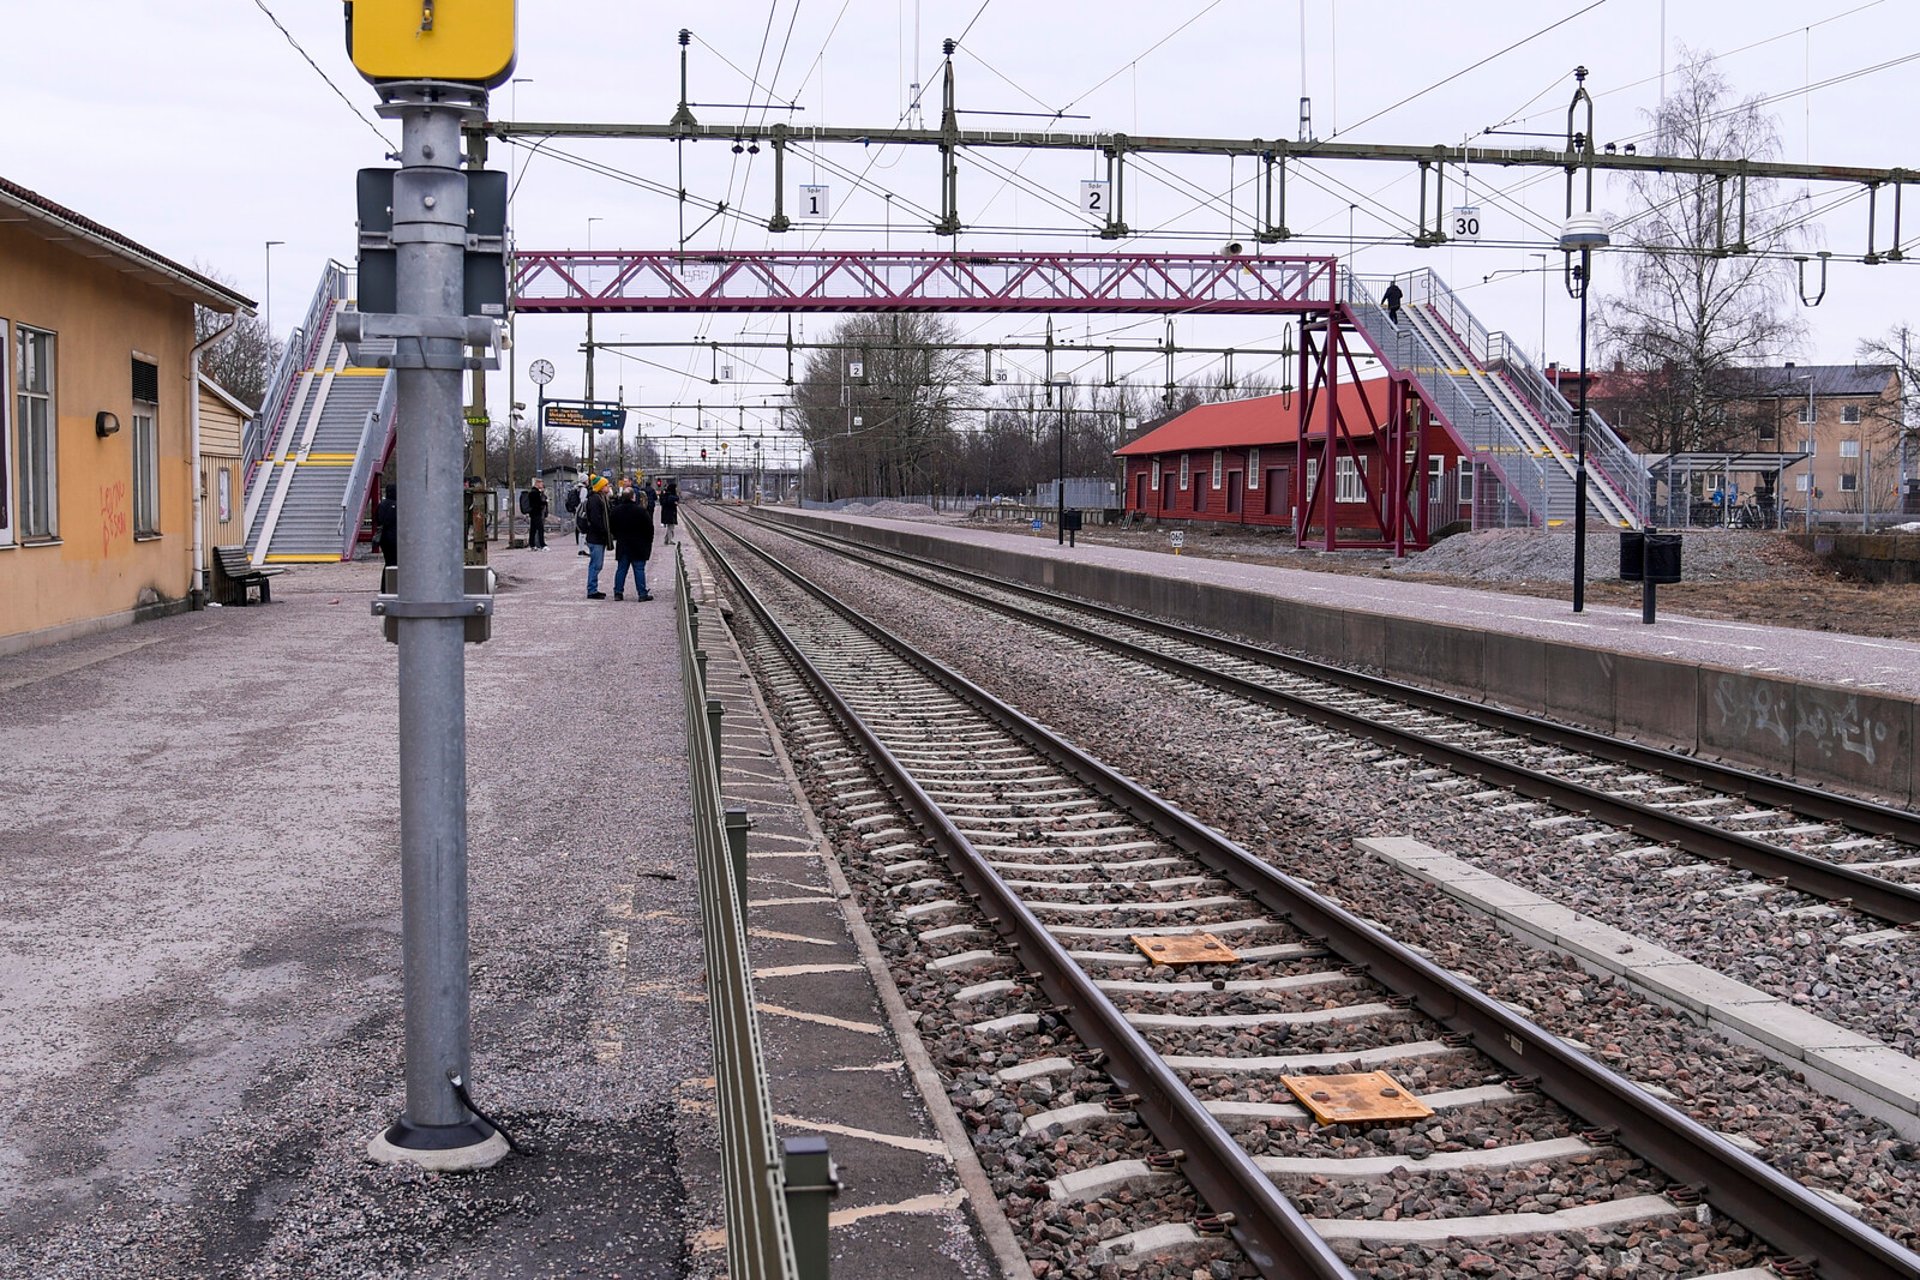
{"x":1803,"y":483}
{"x":1219,"y":461}
{"x":1849,"y":448}
{"x":1806,"y":413}
{"x":225,"y":475}
{"x":37,"y":428}
{"x":1436,"y":476}
{"x":6,"y":452}
{"x":1466,"y":481}
{"x":1347,"y":474}
{"x":1850,"y":414}
{"x":1807,"y":447}
{"x":1313,"y":478}
{"x":1156,"y":475}
{"x":146,"y":449}
{"x":1849,"y":482}
{"x":1186,"y":470}
{"x":1253,"y":468}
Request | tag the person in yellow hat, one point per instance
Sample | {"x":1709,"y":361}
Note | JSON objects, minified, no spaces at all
{"x":594,"y":514}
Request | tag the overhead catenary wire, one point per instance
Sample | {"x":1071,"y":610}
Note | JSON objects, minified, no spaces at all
{"x":297,"y":48}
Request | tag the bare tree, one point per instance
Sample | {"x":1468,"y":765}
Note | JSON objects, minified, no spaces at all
{"x":879,"y":409}
{"x":242,"y":362}
{"x":1702,"y":296}
{"x":1896,"y":418}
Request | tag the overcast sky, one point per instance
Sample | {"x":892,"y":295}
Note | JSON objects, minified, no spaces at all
{"x":195,"y":127}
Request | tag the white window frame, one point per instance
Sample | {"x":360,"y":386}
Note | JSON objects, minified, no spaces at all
{"x":1810,"y":447}
{"x":1253,"y":468}
{"x":1186,"y":470}
{"x":146,"y":480}
{"x":1467,"y":478}
{"x":223,"y":482}
{"x":1313,"y":477}
{"x":8,"y":523}
{"x":1219,"y":467}
{"x":1849,"y":448}
{"x":1849,"y":482}
{"x":27,"y":467}
{"x":1156,"y":475}
{"x":1803,"y":484}
{"x":1807,"y":413}
{"x":1348,"y":486}
{"x":1850,"y":415}
{"x":1436,"y":477}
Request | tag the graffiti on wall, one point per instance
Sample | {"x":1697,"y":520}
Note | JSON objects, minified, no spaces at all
{"x":115,"y":521}
{"x":1831,"y":725}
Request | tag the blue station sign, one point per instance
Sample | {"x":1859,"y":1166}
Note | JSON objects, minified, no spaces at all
{"x":585,"y":417}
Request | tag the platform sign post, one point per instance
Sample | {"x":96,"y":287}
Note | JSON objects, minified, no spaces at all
{"x":432,"y":66}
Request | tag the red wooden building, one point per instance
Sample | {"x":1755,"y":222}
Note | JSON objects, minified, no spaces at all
{"x":1238,"y":462}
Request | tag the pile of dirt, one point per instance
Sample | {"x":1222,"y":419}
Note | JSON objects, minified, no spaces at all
{"x":890,"y":510}
{"x":1529,"y":555}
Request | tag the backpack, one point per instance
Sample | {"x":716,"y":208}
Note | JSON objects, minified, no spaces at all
{"x":526,"y":502}
{"x":573,"y":500}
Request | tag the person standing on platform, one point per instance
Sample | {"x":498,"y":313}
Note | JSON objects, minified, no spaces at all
{"x":669,"y":511}
{"x":632,"y":526}
{"x":1391,"y":301}
{"x":386,"y":528}
{"x":593,"y":520}
{"x":537,"y":516}
{"x":574,"y":497}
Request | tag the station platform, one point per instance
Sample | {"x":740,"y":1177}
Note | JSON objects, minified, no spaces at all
{"x":200,"y":999}
{"x":1822,"y":707}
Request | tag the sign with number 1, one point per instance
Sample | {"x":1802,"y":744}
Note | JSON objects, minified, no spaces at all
{"x":816,"y":202}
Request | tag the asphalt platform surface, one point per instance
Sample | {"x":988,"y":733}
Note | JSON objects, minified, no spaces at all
{"x":200,"y":1019}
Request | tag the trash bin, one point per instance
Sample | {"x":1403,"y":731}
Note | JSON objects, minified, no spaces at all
{"x":1651,"y":552}
{"x":1071,"y":518}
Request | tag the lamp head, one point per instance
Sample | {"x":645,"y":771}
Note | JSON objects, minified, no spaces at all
{"x":1585,"y":231}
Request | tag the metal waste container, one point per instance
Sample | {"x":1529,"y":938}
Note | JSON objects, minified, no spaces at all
{"x":1649,"y":554}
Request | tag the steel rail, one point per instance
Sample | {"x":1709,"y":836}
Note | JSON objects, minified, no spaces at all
{"x":1272,"y":1232}
{"x":1778,"y":1210}
{"x":1881,"y":898}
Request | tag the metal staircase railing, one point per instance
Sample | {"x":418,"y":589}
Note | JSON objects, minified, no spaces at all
{"x":264,"y":428}
{"x":1617,"y":470}
{"x":373,"y":440}
{"x":1482,"y":432}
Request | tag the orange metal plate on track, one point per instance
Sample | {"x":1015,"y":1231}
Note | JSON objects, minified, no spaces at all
{"x":1370,"y":1097}
{"x":1190,"y":948}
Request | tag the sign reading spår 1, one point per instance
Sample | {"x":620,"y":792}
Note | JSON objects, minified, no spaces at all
{"x":466,"y":41}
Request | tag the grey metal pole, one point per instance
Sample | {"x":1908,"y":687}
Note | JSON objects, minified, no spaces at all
{"x":1580,"y":467}
{"x":429,"y":234}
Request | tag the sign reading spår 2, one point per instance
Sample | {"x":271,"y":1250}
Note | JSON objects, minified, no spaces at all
{"x":466,"y":41}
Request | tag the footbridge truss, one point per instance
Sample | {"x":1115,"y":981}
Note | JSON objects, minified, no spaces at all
{"x":1442,"y":366}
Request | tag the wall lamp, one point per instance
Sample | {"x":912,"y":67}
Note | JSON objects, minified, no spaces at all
{"x":105,"y":423}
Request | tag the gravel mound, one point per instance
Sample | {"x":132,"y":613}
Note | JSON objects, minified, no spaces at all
{"x":1531,"y":555}
{"x":890,"y":509}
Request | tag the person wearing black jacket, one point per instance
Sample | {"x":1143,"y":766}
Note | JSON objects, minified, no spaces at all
{"x":537,"y":516}
{"x":669,"y":511}
{"x":593,"y":518}
{"x":632,"y":526}
{"x":386,"y":528}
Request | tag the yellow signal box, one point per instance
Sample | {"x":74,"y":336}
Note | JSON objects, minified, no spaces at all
{"x":468,"y":41}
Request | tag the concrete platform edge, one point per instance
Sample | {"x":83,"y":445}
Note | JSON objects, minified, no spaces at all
{"x":996,"y":1232}
{"x":1817,"y":734}
{"x":1729,"y":1008}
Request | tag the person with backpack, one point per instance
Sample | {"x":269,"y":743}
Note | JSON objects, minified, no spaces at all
{"x":533,"y":503}
{"x":575,"y":496}
{"x":593,"y":518}
{"x":669,"y":511}
{"x":632,"y":527}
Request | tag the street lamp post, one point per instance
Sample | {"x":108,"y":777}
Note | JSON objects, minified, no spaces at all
{"x":267,"y":305}
{"x":1583,"y":233}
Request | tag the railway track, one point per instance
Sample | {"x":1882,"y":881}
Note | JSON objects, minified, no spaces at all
{"x":1857,"y":853}
{"x":1056,"y":864}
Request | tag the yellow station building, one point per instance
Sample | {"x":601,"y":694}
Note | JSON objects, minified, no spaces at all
{"x":99,"y":400}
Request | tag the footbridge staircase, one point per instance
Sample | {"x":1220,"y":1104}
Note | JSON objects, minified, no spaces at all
{"x":323,"y":431}
{"x":1508,"y":418}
